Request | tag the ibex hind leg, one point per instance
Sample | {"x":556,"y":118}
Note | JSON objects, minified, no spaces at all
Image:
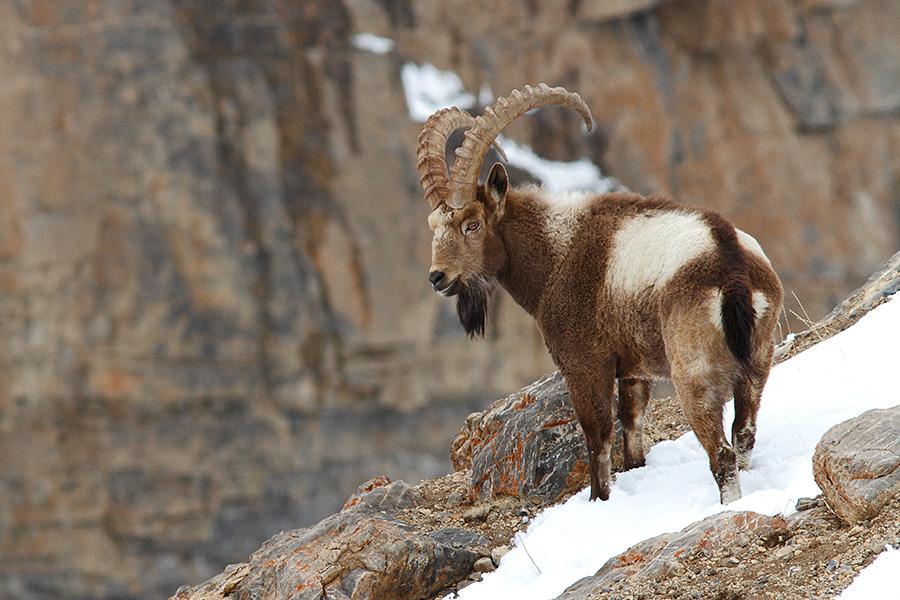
{"x":747,"y":395}
{"x":634,"y":394}
{"x":702,"y":403}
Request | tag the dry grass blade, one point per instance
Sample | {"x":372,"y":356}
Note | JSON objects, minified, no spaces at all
{"x":811,"y":326}
{"x":522,"y":542}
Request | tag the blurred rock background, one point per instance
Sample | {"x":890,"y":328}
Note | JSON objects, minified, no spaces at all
{"x":214,"y":318}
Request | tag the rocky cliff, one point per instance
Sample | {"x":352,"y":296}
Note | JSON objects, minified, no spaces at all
{"x":213,"y":316}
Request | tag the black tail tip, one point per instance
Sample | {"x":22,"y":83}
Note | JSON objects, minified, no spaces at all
{"x":738,"y":317}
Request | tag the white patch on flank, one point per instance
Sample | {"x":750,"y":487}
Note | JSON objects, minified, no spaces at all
{"x":760,"y":303}
{"x":563,"y":210}
{"x":749,"y":243}
{"x":648,"y":250}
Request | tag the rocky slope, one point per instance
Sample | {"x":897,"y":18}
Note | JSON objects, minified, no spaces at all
{"x":812,"y":553}
{"x":213,"y":322}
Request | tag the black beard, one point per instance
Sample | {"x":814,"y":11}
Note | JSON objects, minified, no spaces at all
{"x":471,"y":305}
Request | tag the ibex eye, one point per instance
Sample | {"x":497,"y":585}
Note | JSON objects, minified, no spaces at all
{"x":472,"y":226}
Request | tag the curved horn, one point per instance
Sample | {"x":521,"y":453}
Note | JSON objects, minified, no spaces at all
{"x":431,"y":152}
{"x":495,"y":118}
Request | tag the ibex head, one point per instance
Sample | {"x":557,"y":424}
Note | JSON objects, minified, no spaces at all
{"x":467,"y":251}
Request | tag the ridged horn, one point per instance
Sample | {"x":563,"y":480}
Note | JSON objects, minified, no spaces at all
{"x":497,"y":117}
{"x":431,"y":152}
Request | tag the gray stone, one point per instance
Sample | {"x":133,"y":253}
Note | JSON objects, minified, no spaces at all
{"x":857,"y":464}
{"x":478,"y":512}
{"x":393,"y":496}
{"x":484,"y":565}
{"x":663,"y":556}
{"x":362,"y":552}
{"x":528,"y":444}
{"x":498,"y":553}
{"x":784,"y":552}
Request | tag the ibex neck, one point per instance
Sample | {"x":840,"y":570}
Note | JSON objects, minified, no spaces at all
{"x":531,"y":260}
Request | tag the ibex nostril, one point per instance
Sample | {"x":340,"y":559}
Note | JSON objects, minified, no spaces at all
{"x":435,"y":277}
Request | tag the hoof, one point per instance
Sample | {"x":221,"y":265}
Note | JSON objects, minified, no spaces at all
{"x":730,"y":491}
{"x":634,"y":463}
{"x":602,"y":494}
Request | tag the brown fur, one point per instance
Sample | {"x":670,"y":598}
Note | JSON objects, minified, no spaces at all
{"x":597,"y":336}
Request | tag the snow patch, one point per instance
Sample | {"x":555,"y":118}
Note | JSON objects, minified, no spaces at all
{"x":428,"y":89}
{"x":556,"y":176}
{"x":878,"y":580}
{"x":827,"y":384}
{"x":485,"y":95}
{"x":372,"y":43}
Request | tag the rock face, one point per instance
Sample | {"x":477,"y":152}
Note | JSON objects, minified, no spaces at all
{"x":362,"y":552}
{"x":214,"y":314}
{"x":214,"y":320}
{"x":528,"y":444}
{"x":656,"y":558}
{"x":857,"y":464}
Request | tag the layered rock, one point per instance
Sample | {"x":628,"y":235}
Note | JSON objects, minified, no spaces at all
{"x":528,"y":444}
{"x":366,"y":551}
{"x":857,"y":464}
{"x":214,"y":317}
{"x":664,"y":555}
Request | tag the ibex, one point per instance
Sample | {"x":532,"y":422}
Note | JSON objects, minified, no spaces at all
{"x":622,"y":287}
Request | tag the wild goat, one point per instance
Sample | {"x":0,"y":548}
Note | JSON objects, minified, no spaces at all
{"x":621,"y":286}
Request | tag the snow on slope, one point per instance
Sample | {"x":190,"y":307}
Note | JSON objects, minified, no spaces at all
{"x":428,"y":89}
{"x":806,"y":395}
{"x":878,"y":580}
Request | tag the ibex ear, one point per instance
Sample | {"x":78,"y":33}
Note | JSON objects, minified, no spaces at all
{"x":495,"y":189}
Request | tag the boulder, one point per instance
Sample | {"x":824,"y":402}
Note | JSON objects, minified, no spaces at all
{"x":528,"y":444}
{"x":366,"y":551}
{"x":663,"y":555}
{"x":857,"y":464}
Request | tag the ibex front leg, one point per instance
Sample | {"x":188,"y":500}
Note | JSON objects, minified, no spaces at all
{"x":592,"y":397}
